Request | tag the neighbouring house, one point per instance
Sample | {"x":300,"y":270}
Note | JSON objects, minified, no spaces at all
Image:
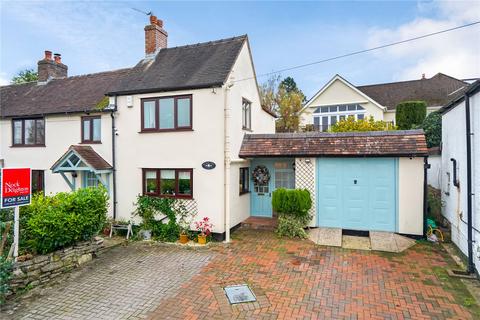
{"x":339,"y":99}
{"x":360,"y":181}
{"x":460,"y":177}
{"x":171,"y":126}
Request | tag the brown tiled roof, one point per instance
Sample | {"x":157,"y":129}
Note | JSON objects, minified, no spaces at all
{"x":349,"y":144}
{"x":202,"y":65}
{"x":436,"y":91}
{"x":89,"y":155}
{"x":67,"y":95}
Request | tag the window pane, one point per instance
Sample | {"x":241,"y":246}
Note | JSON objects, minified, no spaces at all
{"x":167,"y":113}
{"x":333,"y":109}
{"x":37,"y":181}
{"x":285,"y":178}
{"x":167,"y":181}
{"x":149,"y":114}
{"x":86,"y":129}
{"x":91,"y":179}
{"x":360,"y":116}
{"x":29,"y":131}
{"x":324,"y":109}
{"x":151,"y":182}
{"x":183,"y":112}
{"x":17,"y":132}
{"x":184,"y":183}
{"x":342,"y":108}
{"x":40,"y":131}
{"x":316,"y":121}
{"x":333,"y":120}
{"x":359,"y":107}
{"x":97,"y":125}
{"x":324,"y":123}
{"x":352,"y":107}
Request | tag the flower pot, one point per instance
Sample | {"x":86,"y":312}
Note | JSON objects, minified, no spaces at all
{"x":106,"y":232}
{"x":183,"y":238}
{"x":202,"y":239}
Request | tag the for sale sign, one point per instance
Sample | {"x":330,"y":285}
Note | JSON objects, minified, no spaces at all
{"x":16,"y":187}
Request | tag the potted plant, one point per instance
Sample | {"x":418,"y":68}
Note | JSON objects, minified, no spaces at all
{"x":203,"y":226}
{"x":185,"y":219}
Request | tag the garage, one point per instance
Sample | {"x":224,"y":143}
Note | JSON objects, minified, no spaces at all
{"x":357,"y":193}
{"x":366,"y":181}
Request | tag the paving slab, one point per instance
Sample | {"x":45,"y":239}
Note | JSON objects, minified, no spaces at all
{"x":358,"y":243}
{"x":326,"y":236}
{"x":389,"y":241}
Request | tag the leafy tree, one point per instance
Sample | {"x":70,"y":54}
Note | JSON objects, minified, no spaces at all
{"x":432,"y":125}
{"x":410,"y":114}
{"x":27,"y":75}
{"x":290,"y":86}
{"x":352,"y":125}
{"x":284,"y":99}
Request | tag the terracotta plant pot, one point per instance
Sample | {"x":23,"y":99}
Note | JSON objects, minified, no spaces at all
{"x":106,"y":231}
{"x":183,"y":238}
{"x":202,"y":239}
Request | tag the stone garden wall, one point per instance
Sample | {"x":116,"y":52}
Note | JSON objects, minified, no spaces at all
{"x":42,"y":269}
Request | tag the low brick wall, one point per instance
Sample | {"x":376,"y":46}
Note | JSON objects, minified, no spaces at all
{"x":44,"y":268}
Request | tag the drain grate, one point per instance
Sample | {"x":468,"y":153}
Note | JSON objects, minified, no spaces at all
{"x":239,"y":294}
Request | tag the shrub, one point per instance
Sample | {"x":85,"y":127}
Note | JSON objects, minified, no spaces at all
{"x":149,"y":208}
{"x":432,"y":125}
{"x":351,"y":125}
{"x":5,"y":275}
{"x":289,"y":226}
{"x":410,"y":114}
{"x":63,"y":219}
{"x":293,"y":208}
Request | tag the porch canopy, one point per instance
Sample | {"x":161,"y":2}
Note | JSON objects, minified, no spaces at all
{"x":82,"y":159}
{"x":400,"y":143}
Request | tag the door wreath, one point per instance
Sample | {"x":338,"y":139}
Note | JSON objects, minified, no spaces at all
{"x":261,"y":175}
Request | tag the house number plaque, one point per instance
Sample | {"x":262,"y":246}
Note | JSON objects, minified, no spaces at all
{"x":209,"y":165}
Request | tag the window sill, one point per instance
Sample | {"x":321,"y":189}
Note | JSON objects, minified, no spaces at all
{"x":28,"y":146}
{"x":165,"y":130}
{"x":247,"y":129}
{"x":169,"y":197}
{"x":90,"y":142}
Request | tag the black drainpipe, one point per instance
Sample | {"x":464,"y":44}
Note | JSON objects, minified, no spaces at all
{"x":471,"y":265}
{"x":114,"y":177}
{"x":426,"y":166}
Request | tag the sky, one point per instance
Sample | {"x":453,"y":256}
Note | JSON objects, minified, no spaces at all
{"x":97,"y":36}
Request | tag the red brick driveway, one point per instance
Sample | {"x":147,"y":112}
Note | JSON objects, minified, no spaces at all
{"x":295,"y":279}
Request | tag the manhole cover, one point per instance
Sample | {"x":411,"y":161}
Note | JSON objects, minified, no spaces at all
{"x":239,"y":294}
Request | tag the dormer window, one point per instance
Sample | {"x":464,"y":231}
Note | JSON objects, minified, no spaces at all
{"x":28,"y":132}
{"x":167,"y":113}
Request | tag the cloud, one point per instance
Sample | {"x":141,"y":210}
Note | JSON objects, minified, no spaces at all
{"x":3,"y":79}
{"x":456,"y":53}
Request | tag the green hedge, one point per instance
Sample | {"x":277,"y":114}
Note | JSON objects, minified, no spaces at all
{"x":432,"y":125}
{"x":51,"y":223}
{"x":292,"y":207}
{"x":410,"y":114}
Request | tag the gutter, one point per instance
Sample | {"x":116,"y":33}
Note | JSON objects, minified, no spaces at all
{"x":114,"y":175}
{"x":471,"y":265}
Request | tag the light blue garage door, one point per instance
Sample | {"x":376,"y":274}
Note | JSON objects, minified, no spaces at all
{"x":357,"y":193}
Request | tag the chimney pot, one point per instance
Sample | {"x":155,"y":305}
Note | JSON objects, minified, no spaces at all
{"x":153,"y":19}
{"x":423,"y":76}
{"x":57,"y":57}
{"x":48,"y":55}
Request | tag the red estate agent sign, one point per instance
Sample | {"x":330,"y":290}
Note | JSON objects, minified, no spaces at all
{"x":16,"y":187}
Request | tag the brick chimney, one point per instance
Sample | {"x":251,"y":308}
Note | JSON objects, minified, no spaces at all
{"x":155,"y":36}
{"x":51,"y":69}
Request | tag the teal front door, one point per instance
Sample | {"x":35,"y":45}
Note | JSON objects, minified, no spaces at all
{"x":357,"y":193}
{"x":261,"y":196}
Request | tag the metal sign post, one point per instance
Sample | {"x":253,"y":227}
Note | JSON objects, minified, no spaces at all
{"x":15,"y":191}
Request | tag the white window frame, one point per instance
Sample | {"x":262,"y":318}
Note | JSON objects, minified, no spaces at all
{"x":337,"y":114}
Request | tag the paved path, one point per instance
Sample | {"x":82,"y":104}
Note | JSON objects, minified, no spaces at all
{"x":124,"y":283}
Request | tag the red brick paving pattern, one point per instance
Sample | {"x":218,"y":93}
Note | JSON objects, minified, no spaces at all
{"x":295,"y":279}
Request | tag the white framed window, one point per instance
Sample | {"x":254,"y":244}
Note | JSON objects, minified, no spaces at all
{"x":326,"y":116}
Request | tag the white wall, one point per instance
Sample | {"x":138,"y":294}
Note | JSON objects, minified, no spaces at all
{"x":455,"y":199}
{"x":60,"y":133}
{"x":339,"y":93}
{"x":410,"y":196}
{"x":434,"y":174}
